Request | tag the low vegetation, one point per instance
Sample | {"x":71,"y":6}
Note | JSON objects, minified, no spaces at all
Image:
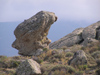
{"x":55,"y":61}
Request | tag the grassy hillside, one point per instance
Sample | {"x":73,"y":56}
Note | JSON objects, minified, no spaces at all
{"x":55,"y":61}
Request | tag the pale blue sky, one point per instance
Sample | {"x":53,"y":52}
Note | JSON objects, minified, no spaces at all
{"x":76,"y":10}
{"x":71,"y":14}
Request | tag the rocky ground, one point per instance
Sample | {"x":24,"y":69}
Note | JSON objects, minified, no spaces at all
{"x":75,"y":60}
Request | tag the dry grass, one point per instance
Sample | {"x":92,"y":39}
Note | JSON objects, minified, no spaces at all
{"x":8,"y":65}
{"x":55,"y":62}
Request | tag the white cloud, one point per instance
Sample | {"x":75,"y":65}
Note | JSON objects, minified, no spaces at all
{"x":14,"y":10}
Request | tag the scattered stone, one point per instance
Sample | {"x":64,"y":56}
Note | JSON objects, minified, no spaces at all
{"x":31,"y":34}
{"x":38,"y":52}
{"x":79,"y":58}
{"x":60,"y":51}
{"x":54,"y":52}
{"x":67,"y":50}
{"x":28,"y":67}
{"x":88,"y":40}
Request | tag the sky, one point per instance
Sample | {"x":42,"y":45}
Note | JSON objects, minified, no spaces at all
{"x":71,"y":14}
{"x":73,"y":10}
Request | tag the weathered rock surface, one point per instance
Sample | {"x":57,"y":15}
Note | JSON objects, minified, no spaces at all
{"x":28,"y":67}
{"x":31,"y":34}
{"x":88,"y":40}
{"x":69,"y":40}
{"x":91,"y":31}
{"x":81,"y":36}
{"x":79,"y":58}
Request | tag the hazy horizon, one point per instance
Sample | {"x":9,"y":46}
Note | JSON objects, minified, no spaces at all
{"x":58,"y":30}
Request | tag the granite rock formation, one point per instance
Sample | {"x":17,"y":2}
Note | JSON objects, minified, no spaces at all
{"x":81,"y":36}
{"x":69,"y":40}
{"x":31,"y":35}
{"x":91,"y":33}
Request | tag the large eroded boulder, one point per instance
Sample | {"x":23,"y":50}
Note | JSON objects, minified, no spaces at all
{"x":28,"y":67}
{"x":69,"y":40}
{"x":31,"y":35}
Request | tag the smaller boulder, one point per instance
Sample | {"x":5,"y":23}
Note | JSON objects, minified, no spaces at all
{"x":79,"y":58}
{"x":60,"y":51}
{"x":54,"y":52}
{"x":67,"y":50}
{"x":28,"y":67}
{"x":38,"y":52}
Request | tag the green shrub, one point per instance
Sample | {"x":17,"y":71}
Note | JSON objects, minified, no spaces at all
{"x":85,"y":67}
{"x":98,"y":62}
{"x":3,"y":58}
{"x":14,"y":64}
{"x":45,"y":49}
{"x":53,"y":60}
{"x":57,"y":72}
{"x":64,"y":47}
{"x":4,"y":71}
{"x":90,"y":59}
{"x":16,"y":57}
{"x":39,"y":60}
{"x":82,"y":67}
{"x":99,"y":48}
{"x":79,"y":73}
{"x":68,"y":69}
{"x":83,"y":48}
{"x":98,"y":72}
{"x":69,"y":54}
{"x":60,"y":70}
{"x":11,"y":72}
{"x":96,"y":54}
{"x":59,"y":56}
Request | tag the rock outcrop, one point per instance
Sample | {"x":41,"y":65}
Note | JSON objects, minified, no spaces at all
{"x":31,"y":35}
{"x":88,"y":40}
{"x":28,"y":67}
{"x":79,"y":58}
{"x":81,"y":36}
{"x":69,"y":40}
{"x":91,"y":33}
